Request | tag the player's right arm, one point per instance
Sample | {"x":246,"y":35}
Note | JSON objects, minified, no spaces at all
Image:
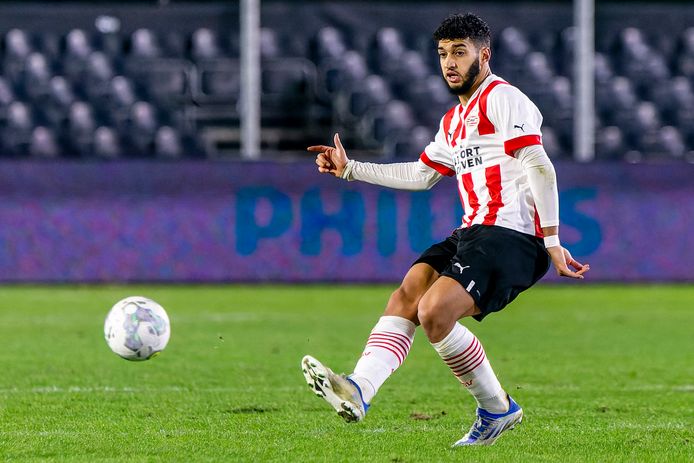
{"x":403,"y":176}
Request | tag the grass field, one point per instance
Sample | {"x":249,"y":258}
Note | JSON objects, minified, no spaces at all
{"x":604,"y":373}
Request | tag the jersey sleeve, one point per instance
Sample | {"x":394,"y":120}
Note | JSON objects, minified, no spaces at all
{"x":516,"y":117}
{"x":437,"y":154}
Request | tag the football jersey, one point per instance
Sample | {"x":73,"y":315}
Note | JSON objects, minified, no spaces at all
{"x":476,"y":144}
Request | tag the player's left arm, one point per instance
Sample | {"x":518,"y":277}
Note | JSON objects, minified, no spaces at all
{"x":543,"y":183}
{"x":519,"y":122}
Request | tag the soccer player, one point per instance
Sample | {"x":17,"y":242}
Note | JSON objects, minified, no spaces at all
{"x":491,"y":144}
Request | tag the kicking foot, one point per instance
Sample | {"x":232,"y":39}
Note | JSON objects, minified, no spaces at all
{"x":489,"y":426}
{"x":339,"y":391}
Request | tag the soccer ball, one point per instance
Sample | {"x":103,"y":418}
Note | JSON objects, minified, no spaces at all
{"x":137,"y":328}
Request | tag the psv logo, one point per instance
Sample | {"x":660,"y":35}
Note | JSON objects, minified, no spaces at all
{"x":472,"y":121}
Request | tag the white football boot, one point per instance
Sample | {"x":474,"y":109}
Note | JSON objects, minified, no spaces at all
{"x":339,"y":391}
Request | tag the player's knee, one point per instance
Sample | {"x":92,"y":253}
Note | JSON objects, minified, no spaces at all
{"x":430,"y":316}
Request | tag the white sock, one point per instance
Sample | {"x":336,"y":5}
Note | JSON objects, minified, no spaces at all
{"x":386,"y":349}
{"x":464,"y":355}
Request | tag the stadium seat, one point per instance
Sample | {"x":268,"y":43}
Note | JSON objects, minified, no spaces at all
{"x":166,"y":81}
{"x":671,"y":142}
{"x":269,"y":46}
{"x":512,"y":48}
{"x":387,"y":51}
{"x":329,"y":45}
{"x":106,"y":144}
{"x":685,"y":61}
{"x":204,"y":44}
{"x":670,"y":97}
{"x":77,"y":50}
{"x":372,"y":92}
{"x":389,"y":122}
{"x":37,"y":75}
{"x":15,"y":134}
{"x":609,"y":142}
{"x":7,"y":95}
{"x":81,"y":126}
{"x":43,"y":143}
{"x":218,"y":81}
{"x":551,"y":143}
{"x":408,"y":145}
{"x":430,"y":99}
{"x":17,"y":49}
{"x":684,"y":118}
{"x":122,"y":93}
{"x":342,"y":74}
{"x":17,"y":45}
{"x":97,"y":76}
{"x":167,"y":143}
{"x":288,"y":91}
{"x":142,"y":127}
{"x":60,"y":98}
{"x":404,"y":74}
{"x":77,"y":44}
{"x":144,"y":44}
{"x":622,"y":95}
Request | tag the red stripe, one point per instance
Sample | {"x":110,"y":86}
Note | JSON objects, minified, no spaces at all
{"x":440,"y":168}
{"x":403,"y":348}
{"x":521,"y":142}
{"x":385,"y":346}
{"x":485,"y":126}
{"x":404,"y":338}
{"x":467,"y":349}
{"x":447,"y":118}
{"x":458,"y":128}
{"x":471,"y":196}
{"x":465,"y":359}
{"x":465,"y":362}
{"x":473,"y":361}
{"x":538,"y":229}
{"x":493,"y":175}
{"x":474,"y":366}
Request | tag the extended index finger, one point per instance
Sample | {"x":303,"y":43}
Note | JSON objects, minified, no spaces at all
{"x":319,"y":148}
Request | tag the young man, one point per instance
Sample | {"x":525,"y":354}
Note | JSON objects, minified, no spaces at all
{"x":491,"y":143}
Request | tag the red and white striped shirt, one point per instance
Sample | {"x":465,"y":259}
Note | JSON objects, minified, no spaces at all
{"x":477,"y":142}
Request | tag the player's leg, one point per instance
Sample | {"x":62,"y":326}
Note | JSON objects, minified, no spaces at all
{"x":390,"y":340}
{"x":491,"y":266}
{"x":440,"y":308}
{"x":439,"y":311}
{"x":386,"y":349}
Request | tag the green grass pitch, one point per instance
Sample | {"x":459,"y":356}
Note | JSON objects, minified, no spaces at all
{"x":604,"y":373}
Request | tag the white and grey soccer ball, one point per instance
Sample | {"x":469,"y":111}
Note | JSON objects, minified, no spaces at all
{"x":137,"y":328}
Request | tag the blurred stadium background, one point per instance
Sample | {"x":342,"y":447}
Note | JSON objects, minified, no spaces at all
{"x":164,"y":141}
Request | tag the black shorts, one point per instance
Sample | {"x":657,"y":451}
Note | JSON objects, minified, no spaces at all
{"x":494,"y":264}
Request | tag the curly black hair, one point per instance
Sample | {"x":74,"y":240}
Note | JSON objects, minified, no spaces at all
{"x":464,"y":26}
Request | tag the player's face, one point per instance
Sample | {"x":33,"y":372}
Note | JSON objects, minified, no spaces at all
{"x":460,"y":64}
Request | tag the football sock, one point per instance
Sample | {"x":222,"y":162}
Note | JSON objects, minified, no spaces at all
{"x":464,"y":355}
{"x":386,"y":349}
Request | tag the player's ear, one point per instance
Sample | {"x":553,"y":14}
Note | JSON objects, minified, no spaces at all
{"x":485,"y":55}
